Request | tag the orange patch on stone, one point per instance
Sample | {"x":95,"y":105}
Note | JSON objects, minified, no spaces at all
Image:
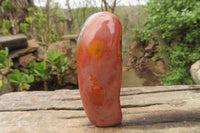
{"x":96,"y":48}
{"x":96,"y":91}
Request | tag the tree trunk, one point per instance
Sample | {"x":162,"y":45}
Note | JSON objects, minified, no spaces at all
{"x":59,"y":78}
{"x":105,"y":5}
{"x":69,"y":17}
{"x":45,"y":85}
{"x":47,"y":27}
{"x":114,"y":5}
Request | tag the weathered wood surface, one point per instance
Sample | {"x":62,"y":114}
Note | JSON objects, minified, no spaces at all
{"x":174,"y":109}
{"x":69,"y":37}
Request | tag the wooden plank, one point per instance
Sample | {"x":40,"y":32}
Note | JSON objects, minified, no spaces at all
{"x":145,"y":109}
{"x":69,"y":37}
{"x":14,"y":41}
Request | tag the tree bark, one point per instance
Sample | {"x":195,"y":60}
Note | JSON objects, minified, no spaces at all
{"x":45,"y":85}
{"x":59,"y":77}
{"x":114,"y":5}
{"x":69,"y":17}
{"x":47,"y":28}
{"x":105,"y":5}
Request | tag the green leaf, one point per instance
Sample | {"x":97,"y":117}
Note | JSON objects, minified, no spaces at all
{"x":6,"y":5}
{"x":7,"y":24}
{"x":10,"y":62}
{"x":38,"y":27}
{"x":15,"y":77}
{"x":40,"y":69}
{"x":29,"y":20}
{"x":53,"y":56}
{"x":27,"y":78}
{"x":31,"y":10}
{"x":24,"y":27}
{"x":1,"y":83}
{"x":26,"y":86}
{"x":62,"y":19}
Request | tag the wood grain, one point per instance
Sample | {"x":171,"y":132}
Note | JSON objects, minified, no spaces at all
{"x":145,"y":109}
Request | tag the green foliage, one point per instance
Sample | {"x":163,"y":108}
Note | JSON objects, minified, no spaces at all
{"x":6,"y":5}
{"x":173,"y":17}
{"x":71,"y":33}
{"x":5,"y":62}
{"x":124,"y":51}
{"x":1,"y":84}
{"x":54,"y":36}
{"x":24,"y":27}
{"x":5,"y":26}
{"x":38,"y":27}
{"x":29,"y":20}
{"x":59,"y":63}
{"x":142,"y":35}
{"x":20,"y":80}
{"x":62,"y":19}
{"x":178,"y":24}
{"x":156,"y":57}
{"x":40,"y":18}
{"x":31,"y":10}
{"x":37,"y":23}
{"x":40,"y":70}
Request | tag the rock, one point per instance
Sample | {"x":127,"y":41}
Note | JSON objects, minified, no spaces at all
{"x":41,"y":54}
{"x":32,"y":46}
{"x":14,"y":42}
{"x":25,"y":60}
{"x":195,"y":72}
{"x":150,"y":47}
{"x":16,"y":64}
{"x":160,"y":67}
{"x":140,"y":59}
{"x":135,"y":50}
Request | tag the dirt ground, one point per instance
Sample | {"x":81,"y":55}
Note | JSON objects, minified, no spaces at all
{"x":140,"y":59}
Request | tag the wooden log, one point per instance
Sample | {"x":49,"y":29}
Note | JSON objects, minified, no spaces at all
{"x":14,"y":41}
{"x":32,"y":46}
{"x":145,"y":109}
{"x":69,"y":37}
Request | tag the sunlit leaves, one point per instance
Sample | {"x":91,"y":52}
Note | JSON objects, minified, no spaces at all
{"x":177,"y":22}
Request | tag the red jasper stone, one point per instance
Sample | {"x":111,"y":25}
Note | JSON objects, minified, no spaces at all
{"x":100,"y":68}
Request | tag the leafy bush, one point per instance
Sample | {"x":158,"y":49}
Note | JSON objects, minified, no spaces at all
{"x":20,"y":80}
{"x":58,"y":63}
{"x":36,"y":26}
{"x":178,"y":24}
{"x":37,"y":71}
{"x":5,"y":62}
{"x":6,"y":5}
{"x":16,"y":79}
{"x":40,"y":71}
{"x":5,"y":26}
{"x":24,"y":27}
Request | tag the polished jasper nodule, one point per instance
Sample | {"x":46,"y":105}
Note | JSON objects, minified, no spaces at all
{"x":100,"y":68}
